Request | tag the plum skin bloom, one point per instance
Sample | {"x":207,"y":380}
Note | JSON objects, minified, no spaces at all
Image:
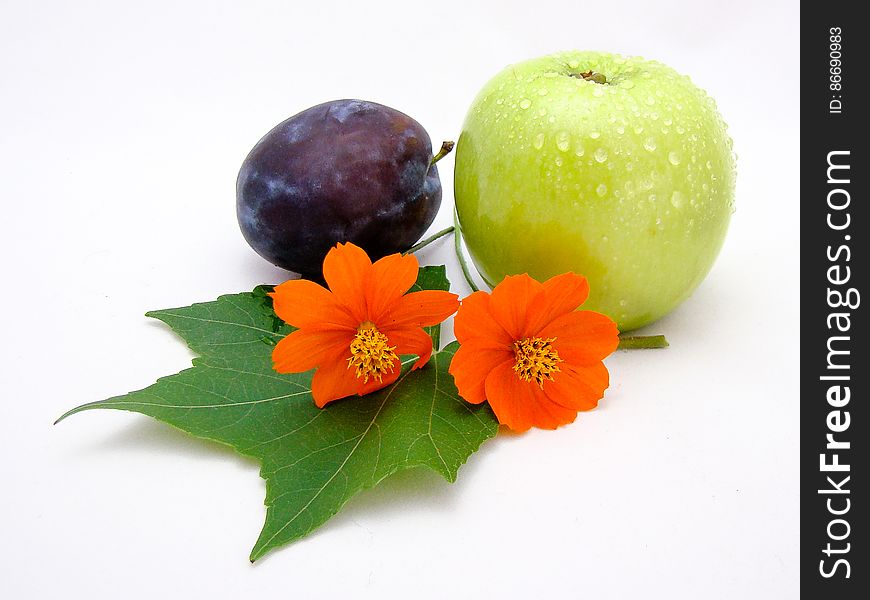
{"x":527,"y":351}
{"x":354,"y":332}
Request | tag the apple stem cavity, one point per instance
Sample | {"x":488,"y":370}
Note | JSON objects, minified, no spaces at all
{"x":591,"y":76}
{"x":446,"y":147}
{"x":642,"y":342}
{"x":457,"y":244}
{"x":423,"y":243}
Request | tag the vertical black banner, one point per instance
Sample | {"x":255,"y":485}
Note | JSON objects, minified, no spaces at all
{"x":835,"y":224}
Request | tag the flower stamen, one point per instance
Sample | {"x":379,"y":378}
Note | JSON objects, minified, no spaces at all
{"x":536,"y":359}
{"x":370,"y":355}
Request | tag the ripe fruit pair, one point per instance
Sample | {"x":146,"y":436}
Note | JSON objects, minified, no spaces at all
{"x":616,"y":168}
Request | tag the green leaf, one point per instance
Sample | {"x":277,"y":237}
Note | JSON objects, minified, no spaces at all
{"x":313,"y":460}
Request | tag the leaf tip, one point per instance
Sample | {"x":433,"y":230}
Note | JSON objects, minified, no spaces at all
{"x":256,"y":553}
{"x":63,"y":416}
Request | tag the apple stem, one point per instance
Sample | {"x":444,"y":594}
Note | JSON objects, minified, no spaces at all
{"x":423,"y":243}
{"x":457,"y":240}
{"x":446,"y":147}
{"x":591,"y":76}
{"x":642,"y":342}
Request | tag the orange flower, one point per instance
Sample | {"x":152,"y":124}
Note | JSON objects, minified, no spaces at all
{"x":530,"y":354}
{"x":354,"y":332}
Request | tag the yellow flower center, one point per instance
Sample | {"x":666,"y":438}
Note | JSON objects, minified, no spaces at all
{"x":536,"y":359}
{"x":370,"y":355}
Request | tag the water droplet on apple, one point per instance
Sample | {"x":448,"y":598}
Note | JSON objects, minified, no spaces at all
{"x":669,"y":121}
{"x":563,"y":141}
{"x":597,"y":92}
{"x":500,"y":101}
{"x":543,"y":92}
{"x":542,"y":111}
{"x":573,"y":63}
{"x":628,"y":84}
{"x":681,"y":130}
{"x":594,"y":135}
{"x":525,"y":103}
{"x":558,"y":160}
{"x":650,"y":101}
{"x":623,"y":302}
{"x":620,"y":130}
{"x":638,"y":129}
{"x":539,"y":141}
{"x":650,"y":144}
{"x":600,"y":155}
{"x":601,"y":190}
{"x":673,"y":158}
{"x":579,"y":150}
{"x":652,"y":198}
{"x":709,"y":165}
{"x":677,"y":200}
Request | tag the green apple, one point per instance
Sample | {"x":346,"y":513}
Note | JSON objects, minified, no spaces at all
{"x":616,"y":168}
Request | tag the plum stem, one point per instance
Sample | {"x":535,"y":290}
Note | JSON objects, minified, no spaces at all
{"x":642,"y":342}
{"x":423,"y":243}
{"x":457,"y":241}
{"x":446,"y":147}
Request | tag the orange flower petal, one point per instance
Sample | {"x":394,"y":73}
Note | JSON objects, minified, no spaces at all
{"x":346,"y":269}
{"x":582,"y":337}
{"x":470,"y":366}
{"x":510,"y":301}
{"x":372,"y":385}
{"x":305,"y":349}
{"x":332,"y":381}
{"x":510,"y":402}
{"x":419,"y":309}
{"x":474,"y":321}
{"x":578,"y":387}
{"x":522,"y":404}
{"x":560,"y":295}
{"x":550,"y":415}
{"x":390,"y":277}
{"x":303,"y":303}
{"x":411,"y":341}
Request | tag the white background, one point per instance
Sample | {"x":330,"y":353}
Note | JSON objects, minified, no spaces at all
{"x":121,"y":133}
